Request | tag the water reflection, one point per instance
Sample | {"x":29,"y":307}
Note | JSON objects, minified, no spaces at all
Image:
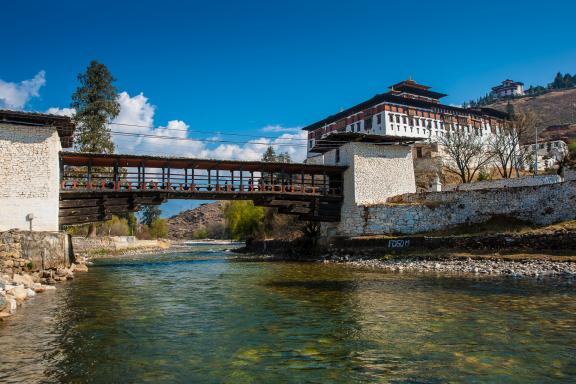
{"x":197,"y":317}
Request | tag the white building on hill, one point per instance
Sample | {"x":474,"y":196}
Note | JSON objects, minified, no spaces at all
{"x":508,"y":88}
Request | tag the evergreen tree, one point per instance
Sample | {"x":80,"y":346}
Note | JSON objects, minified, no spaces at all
{"x":150,"y":213}
{"x":269,"y":156}
{"x":510,"y":110}
{"x":95,"y":102}
{"x":558,"y":82}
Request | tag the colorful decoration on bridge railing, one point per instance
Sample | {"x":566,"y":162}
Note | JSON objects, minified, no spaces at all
{"x":119,"y":186}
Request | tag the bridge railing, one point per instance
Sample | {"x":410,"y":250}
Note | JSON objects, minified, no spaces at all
{"x":201,"y":177}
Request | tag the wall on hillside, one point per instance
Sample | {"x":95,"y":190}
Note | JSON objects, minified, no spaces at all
{"x":525,"y":181}
{"x":24,"y":251}
{"x":432,"y":211}
{"x":29,"y":177}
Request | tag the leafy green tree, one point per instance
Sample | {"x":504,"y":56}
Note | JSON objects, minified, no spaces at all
{"x":149,"y":214}
{"x":244,"y":220}
{"x":95,"y":102}
{"x":159,"y":228}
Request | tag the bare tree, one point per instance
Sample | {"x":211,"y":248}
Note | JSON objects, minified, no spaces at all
{"x":524,"y":126}
{"x":464,"y":153}
{"x":504,"y":147}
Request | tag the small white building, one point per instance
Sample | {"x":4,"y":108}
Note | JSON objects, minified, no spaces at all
{"x":29,"y":169}
{"x":549,"y":153}
{"x":508,"y":88}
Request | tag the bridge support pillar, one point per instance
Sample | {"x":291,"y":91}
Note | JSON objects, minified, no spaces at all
{"x":375,"y":173}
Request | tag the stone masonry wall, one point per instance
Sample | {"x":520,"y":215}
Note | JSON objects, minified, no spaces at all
{"x":426,"y":212}
{"x":33,"y":251}
{"x":525,"y":181}
{"x":29,"y":177}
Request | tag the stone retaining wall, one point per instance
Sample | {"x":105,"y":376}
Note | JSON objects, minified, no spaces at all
{"x":113,"y":243}
{"x":525,"y":181}
{"x":32,"y":251}
{"x":432,"y":211}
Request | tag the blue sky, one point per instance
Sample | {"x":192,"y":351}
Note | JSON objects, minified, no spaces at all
{"x":240,"y":66}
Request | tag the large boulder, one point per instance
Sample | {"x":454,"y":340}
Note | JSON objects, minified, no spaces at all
{"x":19,"y":293}
{"x":24,"y":279}
{"x":3,"y":302}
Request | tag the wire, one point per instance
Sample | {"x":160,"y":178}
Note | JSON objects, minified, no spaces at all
{"x":209,"y":132}
{"x":150,"y":136}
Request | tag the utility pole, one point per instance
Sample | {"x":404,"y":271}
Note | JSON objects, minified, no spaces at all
{"x":536,"y":152}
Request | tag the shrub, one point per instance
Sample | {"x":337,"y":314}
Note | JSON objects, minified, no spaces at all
{"x":159,"y":228}
{"x":115,"y":227}
{"x":243,"y":219}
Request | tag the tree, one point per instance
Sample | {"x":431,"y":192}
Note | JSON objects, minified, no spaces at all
{"x":149,"y":214}
{"x":524,"y":125}
{"x":464,"y":153}
{"x":95,"y":102}
{"x":244,"y":220}
{"x":270,"y":155}
{"x":159,"y":228}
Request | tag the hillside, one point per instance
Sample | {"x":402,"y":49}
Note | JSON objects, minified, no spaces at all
{"x":206,"y":216}
{"x":555,"y":109}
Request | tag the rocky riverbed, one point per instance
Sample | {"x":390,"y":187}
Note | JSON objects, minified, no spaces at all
{"x":522,"y":268}
{"x":17,"y":287}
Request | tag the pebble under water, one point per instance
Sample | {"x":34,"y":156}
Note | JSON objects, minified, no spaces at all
{"x":201,"y":317}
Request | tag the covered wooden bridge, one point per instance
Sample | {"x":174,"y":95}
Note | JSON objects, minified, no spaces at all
{"x":93,"y":187}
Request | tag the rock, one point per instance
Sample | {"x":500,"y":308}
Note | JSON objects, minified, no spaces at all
{"x":30,"y":292}
{"x":3,"y":302}
{"x":12,"y":305}
{"x":49,"y":287}
{"x":19,"y":293}
{"x":24,"y":279}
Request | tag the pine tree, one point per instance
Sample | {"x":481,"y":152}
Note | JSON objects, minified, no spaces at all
{"x":510,"y":110}
{"x":95,"y":102}
{"x":269,"y":156}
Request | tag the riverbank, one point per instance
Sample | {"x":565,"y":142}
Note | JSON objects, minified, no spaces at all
{"x":548,"y":251}
{"x":20,"y":286}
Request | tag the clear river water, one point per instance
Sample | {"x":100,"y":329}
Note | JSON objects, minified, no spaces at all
{"x":200,"y":317}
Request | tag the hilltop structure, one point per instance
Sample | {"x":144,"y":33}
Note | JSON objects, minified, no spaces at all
{"x":508,"y":88}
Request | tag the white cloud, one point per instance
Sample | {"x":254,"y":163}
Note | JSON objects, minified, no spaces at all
{"x":176,"y":138}
{"x":279,"y":128}
{"x":61,"y":111}
{"x":16,"y":95}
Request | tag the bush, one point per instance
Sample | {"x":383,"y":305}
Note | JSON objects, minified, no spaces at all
{"x":244,"y":220}
{"x":115,"y":227}
{"x":200,"y":234}
{"x":159,"y":228}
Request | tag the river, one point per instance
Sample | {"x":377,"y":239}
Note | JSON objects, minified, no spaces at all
{"x":200,"y":317}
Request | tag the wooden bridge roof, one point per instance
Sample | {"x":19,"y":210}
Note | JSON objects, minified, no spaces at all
{"x":110,"y":160}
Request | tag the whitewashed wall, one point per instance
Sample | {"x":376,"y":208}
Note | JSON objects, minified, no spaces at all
{"x":29,"y":177}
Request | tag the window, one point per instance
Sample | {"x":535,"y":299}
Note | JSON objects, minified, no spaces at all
{"x":397,"y":119}
{"x":404,"y":119}
{"x":391,"y":116}
{"x":337,"y":155}
{"x":311,"y":143}
{"x":358,"y":127}
{"x":378,"y":119}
